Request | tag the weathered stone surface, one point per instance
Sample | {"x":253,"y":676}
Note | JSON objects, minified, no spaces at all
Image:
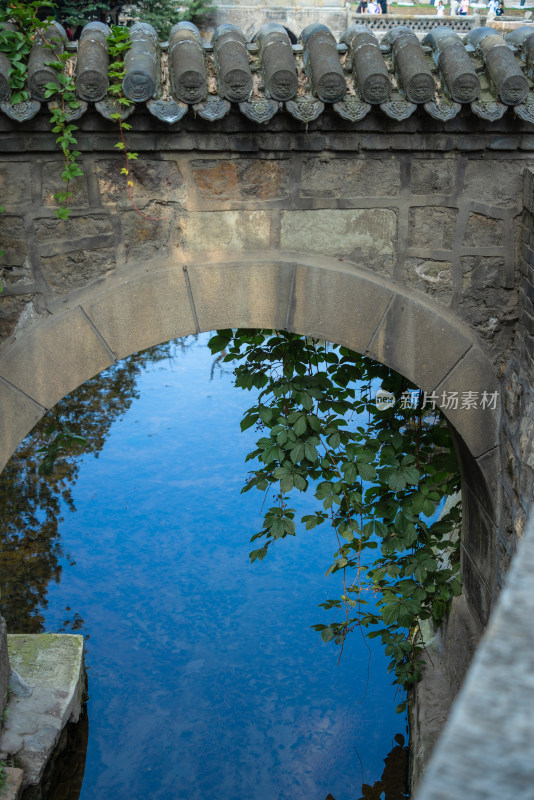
{"x":432,"y":277}
{"x":433,"y":176}
{"x":4,"y":667}
{"x":18,"y":685}
{"x":250,"y":294}
{"x":47,"y":372}
{"x":52,"y":183}
{"x":512,"y":396}
{"x":19,"y":415}
{"x":494,"y":182}
{"x":477,"y":414}
{"x":15,"y":264}
{"x":60,"y":233}
{"x":12,"y":310}
{"x":139,"y":312}
{"x":481,"y":273}
{"x":351,"y":233}
{"x":483,"y":231}
{"x":481,"y":754}
{"x":354,"y":177}
{"x":485,"y":304}
{"x":432,"y":227}
{"x":431,"y":701}
{"x":337,"y":305}
{"x":147,"y":237}
{"x":448,"y":654}
{"x":406,"y":341}
{"x":15,"y":183}
{"x":52,"y":664}
{"x":241,"y":179}
{"x":152,"y":180}
{"x":13,"y":787}
{"x":228,"y":230}
{"x":76,"y":269}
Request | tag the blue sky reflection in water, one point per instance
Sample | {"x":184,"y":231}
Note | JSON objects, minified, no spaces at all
{"x":205,"y":679}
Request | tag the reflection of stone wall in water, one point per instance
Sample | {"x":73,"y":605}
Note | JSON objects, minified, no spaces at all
{"x":250,"y":15}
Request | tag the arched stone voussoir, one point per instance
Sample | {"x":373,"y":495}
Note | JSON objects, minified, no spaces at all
{"x":18,"y":415}
{"x":440,"y":355}
{"x":148,"y":308}
{"x":339,"y":303}
{"x":472,"y":381}
{"x":313,"y":295}
{"x":252,"y":292}
{"x":54,"y":356}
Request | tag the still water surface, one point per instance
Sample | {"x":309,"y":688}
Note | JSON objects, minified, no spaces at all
{"x":205,"y":680}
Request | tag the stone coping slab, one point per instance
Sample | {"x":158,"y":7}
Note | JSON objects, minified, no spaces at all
{"x":53,"y":666}
{"x":485,"y":752}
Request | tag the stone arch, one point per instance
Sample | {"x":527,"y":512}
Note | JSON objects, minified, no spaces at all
{"x":319,"y":296}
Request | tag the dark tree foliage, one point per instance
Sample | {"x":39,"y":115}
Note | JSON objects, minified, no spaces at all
{"x":162,"y":14}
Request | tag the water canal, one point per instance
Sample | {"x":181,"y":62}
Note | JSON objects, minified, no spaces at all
{"x":205,"y":679}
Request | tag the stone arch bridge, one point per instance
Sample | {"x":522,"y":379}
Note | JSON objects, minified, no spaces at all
{"x":376,"y":195}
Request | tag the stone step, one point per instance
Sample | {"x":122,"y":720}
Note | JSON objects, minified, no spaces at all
{"x":52,"y":665}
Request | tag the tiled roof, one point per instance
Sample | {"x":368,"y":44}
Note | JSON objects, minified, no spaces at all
{"x":484,"y":71}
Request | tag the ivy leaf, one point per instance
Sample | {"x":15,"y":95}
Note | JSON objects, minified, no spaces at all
{"x":300,"y":425}
{"x":366,"y":471}
{"x":310,"y":452}
{"x":396,"y":481}
{"x":411,"y":474}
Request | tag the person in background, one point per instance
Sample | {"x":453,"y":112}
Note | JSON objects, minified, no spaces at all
{"x":493,"y":5}
{"x":500,"y":10}
{"x":464,"y":8}
{"x":383,"y":6}
{"x":362,"y":7}
{"x":440,"y":9}
{"x":374,"y":8}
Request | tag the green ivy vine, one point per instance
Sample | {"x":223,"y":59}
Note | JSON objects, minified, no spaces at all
{"x":16,"y":41}
{"x":376,"y":484}
{"x":119,"y":44}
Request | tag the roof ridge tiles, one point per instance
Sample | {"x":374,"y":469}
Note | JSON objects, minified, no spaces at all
{"x":485,"y":73}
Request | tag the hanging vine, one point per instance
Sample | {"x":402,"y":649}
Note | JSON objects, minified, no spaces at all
{"x":16,"y":40}
{"x":377,"y":483}
{"x":119,"y":44}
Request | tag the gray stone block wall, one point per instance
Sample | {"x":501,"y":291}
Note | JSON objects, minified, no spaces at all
{"x":445,"y":224}
{"x":4,"y":667}
{"x":517,"y":431}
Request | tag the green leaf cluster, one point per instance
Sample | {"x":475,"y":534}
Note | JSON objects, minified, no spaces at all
{"x":24,"y":20}
{"x":16,"y":39}
{"x":119,"y":44}
{"x":375,"y":485}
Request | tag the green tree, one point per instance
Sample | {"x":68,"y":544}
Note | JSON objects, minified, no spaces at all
{"x":376,"y":484}
{"x":163,"y":14}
